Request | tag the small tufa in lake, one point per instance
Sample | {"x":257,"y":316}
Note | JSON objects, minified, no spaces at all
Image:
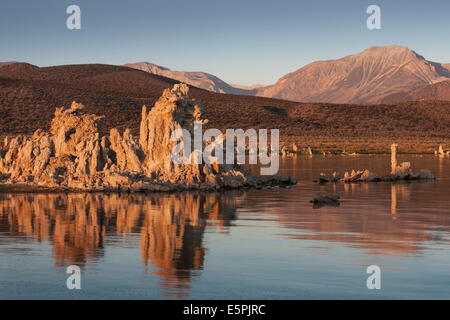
{"x":441,"y":152}
{"x":402,"y":171}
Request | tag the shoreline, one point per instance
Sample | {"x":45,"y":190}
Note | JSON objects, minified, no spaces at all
{"x":22,"y":188}
{"x":172,"y":188}
{"x":363,"y":144}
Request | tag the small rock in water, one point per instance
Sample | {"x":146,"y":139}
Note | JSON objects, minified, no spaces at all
{"x":320,"y":200}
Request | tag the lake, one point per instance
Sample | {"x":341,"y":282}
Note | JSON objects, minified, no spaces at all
{"x":257,"y":244}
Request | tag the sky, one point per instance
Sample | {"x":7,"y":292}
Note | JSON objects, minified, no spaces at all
{"x":240,"y":41}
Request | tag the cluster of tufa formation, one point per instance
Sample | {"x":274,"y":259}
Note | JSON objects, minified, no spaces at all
{"x":73,"y":155}
{"x":441,"y":152}
{"x":285,"y":151}
{"x":398,"y":172}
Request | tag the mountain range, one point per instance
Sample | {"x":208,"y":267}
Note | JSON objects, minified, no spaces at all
{"x":387,"y":74}
{"x":29,"y":95}
{"x":366,"y":77}
{"x":377,"y":74}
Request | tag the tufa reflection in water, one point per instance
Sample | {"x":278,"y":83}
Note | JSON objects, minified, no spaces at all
{"x":391,"y":219}
{"x":171,"y":227}
{"x":404,"y":219}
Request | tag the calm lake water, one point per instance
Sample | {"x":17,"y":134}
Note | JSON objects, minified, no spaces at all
{"x":259,"y":244}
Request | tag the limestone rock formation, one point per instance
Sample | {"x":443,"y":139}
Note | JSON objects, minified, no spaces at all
{"x":441,"y":152}
{"x":73,"y":155}
{"x":323,"y":178}
{"x":398,"y":172}
{"x":361,"y":175}
{"x":286,"y":152}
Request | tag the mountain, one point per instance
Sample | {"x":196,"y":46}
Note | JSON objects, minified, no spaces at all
{"x":250,"y":87}
{"x":6,"y":63}
{"x":435,"y":91}
{"x":29,"y":95}
{"x":366,"y":77}
{"x":201,"y":80}
{"x":374,"y":75}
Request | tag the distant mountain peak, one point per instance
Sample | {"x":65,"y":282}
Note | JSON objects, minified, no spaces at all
{"x":388,"y":48}
{"x":198,"y":79}
{"x":391,"y":51}
{"x":147,"y":65}
{"x":365,"y":77}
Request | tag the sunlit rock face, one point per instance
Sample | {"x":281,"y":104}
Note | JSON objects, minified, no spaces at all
{"x":173,"y":111}
{"x":74,"y":156}
{"x":374,"y":75}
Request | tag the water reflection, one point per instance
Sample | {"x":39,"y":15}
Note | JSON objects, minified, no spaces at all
{"x":394,"y":219}
{"x":385,"y":218}
{"x":172,"y":234}
{"x":278,"y":229}
{"x":401,"y":191}
{"x":171,"y":227}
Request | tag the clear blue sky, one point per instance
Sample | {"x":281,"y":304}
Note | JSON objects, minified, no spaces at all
{"x":241,"y":41}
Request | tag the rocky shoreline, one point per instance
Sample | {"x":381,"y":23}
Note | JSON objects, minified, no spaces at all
{"x":73,"y":156}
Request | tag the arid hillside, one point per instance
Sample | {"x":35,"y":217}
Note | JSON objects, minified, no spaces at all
{"x":436,"y":91}
{"x":29,"y":96}
{"x":6,"y":63}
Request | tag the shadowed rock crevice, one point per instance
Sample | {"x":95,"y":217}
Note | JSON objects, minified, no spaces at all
{"x":74,"y":156}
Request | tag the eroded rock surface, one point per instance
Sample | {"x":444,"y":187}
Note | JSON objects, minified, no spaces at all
{"x":73,"y":155}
